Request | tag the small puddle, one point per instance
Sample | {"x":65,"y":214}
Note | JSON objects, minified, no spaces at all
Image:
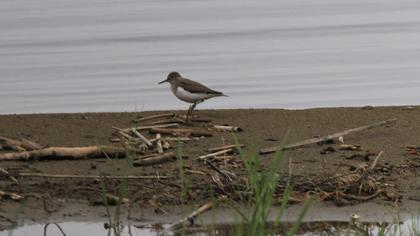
{"x":319,"y":220}
{"x":307,"y":228}
{"x":78,"y":228}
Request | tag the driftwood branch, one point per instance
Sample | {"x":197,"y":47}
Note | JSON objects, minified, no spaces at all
{"x":127,"y":136}
{"x":179,"y":131}
{"x":61,"y":153}
{"x":58,"y":176}
{"x":7,"y":173}
{"x":144,"y":139}
{"x":190,"y":218}
{"x":7,"y":195}
{"x":156,"y":116}
{"x":157,"y":159}
{"x":18,"y":145}
{"x":231,"y":146}
{"x":227,"y":128}
{"x":215,"y":154}
{"x":194,"y":118}
{"x":159,"y":144}
{"x":376,"y":160}
{"x":328,"y":137}
{"x":147,"y":127}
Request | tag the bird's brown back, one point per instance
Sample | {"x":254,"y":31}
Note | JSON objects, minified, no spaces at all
{"x":195,"y":87}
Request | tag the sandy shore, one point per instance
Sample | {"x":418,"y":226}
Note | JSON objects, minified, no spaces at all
{"x":262,"y":128}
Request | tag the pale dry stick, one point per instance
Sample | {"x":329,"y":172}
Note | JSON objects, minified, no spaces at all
{"x":127,"y":136}
{"x":19,"y":145}
{"x":156,"y":116}
{"x":181,"y":139}
{"x":216,"y":149}
{"x":10,"y":177}
{"x":227,"y":128}
{"x":350,"y":147}
{"x":159,"y":144}
{"x":157,"y":159}
{"x":168,"y":121}
{"x":198,"y":172}
{"x":185,"y":117}
{"x":66,"y":153}
{"x":193,"y":119}
{"x":327,"y":137}
{"x":13,"y":196}
{"x":166,"y":145}
{"x":376,"y":160}
{"x":144,"y":139}
{"x":192,"y":216}
{"x":57,"y":176}
{"x":176,"y":131}
{"x":147,"y":127}
{"x":214,"y":154}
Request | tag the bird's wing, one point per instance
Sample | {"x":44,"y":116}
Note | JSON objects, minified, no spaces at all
{"x":195,"y":87}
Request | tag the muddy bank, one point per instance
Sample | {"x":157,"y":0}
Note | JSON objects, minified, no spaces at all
{"x":396,"y":172}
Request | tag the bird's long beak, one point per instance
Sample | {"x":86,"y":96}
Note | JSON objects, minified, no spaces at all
{"x":161,"y":82}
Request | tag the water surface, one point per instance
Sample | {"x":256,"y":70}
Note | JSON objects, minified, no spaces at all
{"x":102,"y":55}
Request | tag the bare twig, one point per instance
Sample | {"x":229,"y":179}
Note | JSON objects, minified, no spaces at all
{"x":166,"y":145}
{"x":7,"y":173}
{"x":127,"y":136}
{"x":194,"y":118}
{"x":194,"y":132}
{"x":376,"y":160}
{"x":181,"y":139}
{"x":156,"y":116}
{"x":144,"y":139}
{"x":216,"y":149}
{"x":159,"y":144}
{"x":13,"y":196}
{"x":328,"y":137}
{"x":214,"y":154}
{"x":350,"y":147}
{"x":167,"y":121}
{"x":18,"y":145}
{"x":147,"y":127}
{"x":157,"y":159}
{"x":190,"y":218}
{"x":227,"y":128}
{"x":57,"y":176}
{"x":65,"y":153}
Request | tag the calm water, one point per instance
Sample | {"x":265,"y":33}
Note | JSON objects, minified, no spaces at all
{"x":103,"y":55}
{"x":306,"y":229}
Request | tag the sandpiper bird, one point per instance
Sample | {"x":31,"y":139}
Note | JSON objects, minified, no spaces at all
{"x":190,"y":91}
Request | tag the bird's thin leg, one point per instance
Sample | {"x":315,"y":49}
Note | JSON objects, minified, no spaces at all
{"x":190,"y":109}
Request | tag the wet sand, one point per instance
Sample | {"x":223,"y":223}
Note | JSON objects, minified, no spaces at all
{"x":262,"y":128}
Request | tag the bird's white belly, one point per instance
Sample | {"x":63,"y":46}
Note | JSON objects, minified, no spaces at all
{"x":186,"y":96}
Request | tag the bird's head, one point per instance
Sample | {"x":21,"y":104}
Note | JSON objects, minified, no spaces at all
{"x":171,"y":77}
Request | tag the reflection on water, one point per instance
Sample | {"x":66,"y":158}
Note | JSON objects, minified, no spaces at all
{"x":103,"y":55}
{"x":308,"y":228}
